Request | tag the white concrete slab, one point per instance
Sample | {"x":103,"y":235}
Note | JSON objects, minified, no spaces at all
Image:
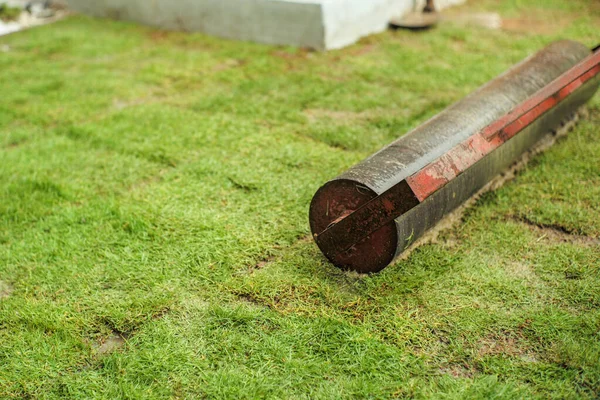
{"x":9,"y":27}
{"x":318,"y":24}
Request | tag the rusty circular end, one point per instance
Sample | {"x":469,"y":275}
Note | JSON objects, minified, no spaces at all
{"x":335,"y":200}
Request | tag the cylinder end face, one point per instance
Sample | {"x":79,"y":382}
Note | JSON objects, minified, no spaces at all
{"x":337,"y":199}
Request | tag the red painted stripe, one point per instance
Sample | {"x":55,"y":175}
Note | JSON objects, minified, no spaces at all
{"x":441,"y":171}
{"x":585,"y":69}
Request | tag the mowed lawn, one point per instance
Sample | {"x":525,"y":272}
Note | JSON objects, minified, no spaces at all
{"x":154,"y":240}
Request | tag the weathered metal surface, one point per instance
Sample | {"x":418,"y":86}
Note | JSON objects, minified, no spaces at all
{"x":435,"y":175}
{"x":430,"y":171}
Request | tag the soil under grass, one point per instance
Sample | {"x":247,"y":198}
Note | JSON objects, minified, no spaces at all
{"x":154,"y":240}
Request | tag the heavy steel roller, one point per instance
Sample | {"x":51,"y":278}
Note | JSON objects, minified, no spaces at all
{"x":370,"y":214}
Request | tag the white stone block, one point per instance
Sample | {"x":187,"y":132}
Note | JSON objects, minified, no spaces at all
{"x":318,"y":24}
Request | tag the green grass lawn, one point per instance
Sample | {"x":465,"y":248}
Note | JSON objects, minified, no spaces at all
{"x":154,"y":239}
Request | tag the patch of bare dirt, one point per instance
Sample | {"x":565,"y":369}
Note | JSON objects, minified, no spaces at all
{"x":262,"y":263}
{"x":268,"y":260}
{"x":5,"y":290}
{"x":229,"y":64}
{"x":114,"y":342}
{"x":119,"y":104}
{"x":505,"y":344}
{"x":523,"y":272}
{"x":295,"y":59}
{"x":159,"y":35}
{"x":178,"y":38}
{"x":314,"y":114}
{"x":459,"y":371}
{"x":489,"y":20}
{"x":537,"y":23}
{"x":253,"y":300}
{"x":299,"y":54}
{"x":144,"y":183}
{"x":553,"y":233}
{"x":341,"y":116}
{"x":364,"y":49}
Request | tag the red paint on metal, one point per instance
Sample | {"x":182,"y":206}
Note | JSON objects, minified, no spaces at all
{"x":437,"y":174}
{"x":449,"y":166}
{"x":566,"y":83}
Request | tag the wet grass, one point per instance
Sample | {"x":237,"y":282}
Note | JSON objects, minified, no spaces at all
{"x":153,"y":222}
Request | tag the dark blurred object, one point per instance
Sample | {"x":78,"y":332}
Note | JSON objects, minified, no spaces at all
{"x":429,"y":7}
{"x":40,"y":9}
{"x":425,"y":19}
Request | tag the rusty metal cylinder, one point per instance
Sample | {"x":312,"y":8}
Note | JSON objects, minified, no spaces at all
{"x":403,"y":170}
